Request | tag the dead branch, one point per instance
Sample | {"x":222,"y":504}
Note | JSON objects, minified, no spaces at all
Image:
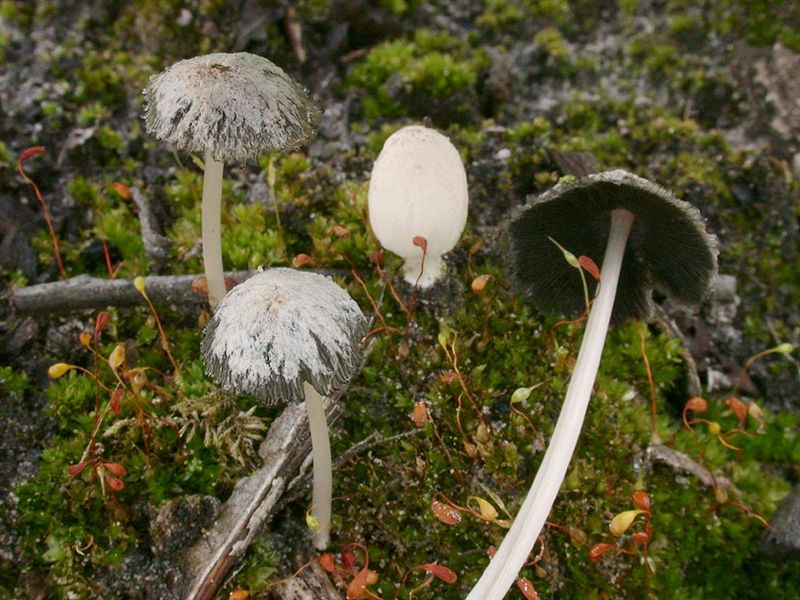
{"x":252,"y":503}
{"x":667,"y":326}
{"x":156,"y":245}
{"x":311,"y":584}
{"x":680,"y":462}
{"x":294,"y":29}
{"x":92,"y":293}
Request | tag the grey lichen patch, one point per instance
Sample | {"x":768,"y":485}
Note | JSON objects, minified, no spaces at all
{"x":668,"y":249}
{"x":238,"y":106}
{"x":280,"y":328}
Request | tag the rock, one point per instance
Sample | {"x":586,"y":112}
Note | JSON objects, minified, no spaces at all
{"x":503,"y":154}
{"x":19,"y":338}
{"x":179,"y":522}
{"x":783,"y":541}
{"x":176,"y":527}
{"x":770,"y":79}
{"x":723,"y":307}
{"x":333,"y":138}
{"x":17,"y":224}
{"x":62,"y":341}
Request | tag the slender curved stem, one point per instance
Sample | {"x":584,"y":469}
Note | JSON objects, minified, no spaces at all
{"x":321,"y":497}
{"x":212,"y":245}
{"x":518,"y":543}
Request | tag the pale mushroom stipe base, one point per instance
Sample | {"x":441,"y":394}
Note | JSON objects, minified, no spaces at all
{"x":576,"y":212}
{"x":418,"y":188}
{"x":229,"y":108}
{"x":286,"y":335}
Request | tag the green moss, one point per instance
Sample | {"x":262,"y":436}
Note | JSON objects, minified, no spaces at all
{"x":249,"y":241}
{"x":18,"y":13}
{"x":553,"y":42}
{"x":416,"y":77}
{"x":499,"y":14}
{"x":12,"y":381}
{"x":349,"y":212}
{"x":761,"y":23}
{"x":70,"y":526}
{"x":99,"y":79}
{"x":120,"y":228}
{"x":259,"y":567}
{"x":112,"y":220}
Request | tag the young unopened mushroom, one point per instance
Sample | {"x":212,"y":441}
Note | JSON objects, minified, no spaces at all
{"x":286,"y":335}
{"x":418,"y":188}
{"x":664,"y":245}
{"x":230,"y":108}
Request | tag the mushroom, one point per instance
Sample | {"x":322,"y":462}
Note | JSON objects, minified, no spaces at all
{"x":229,"y":107}
{"x":286,"y":335}
{"x":418,"y":188}
{"x":664,"y":245}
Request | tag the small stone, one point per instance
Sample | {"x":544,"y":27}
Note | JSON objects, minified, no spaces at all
{"x":717,"y":380}
{"x":185,"y":18}
{"x":783,"y":541}
{"x":724,"y":301}
{"x":179,"y":522}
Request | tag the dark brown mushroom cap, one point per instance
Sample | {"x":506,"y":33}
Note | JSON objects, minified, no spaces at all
{"x":668,"y":248}
{"x":238,"y":106}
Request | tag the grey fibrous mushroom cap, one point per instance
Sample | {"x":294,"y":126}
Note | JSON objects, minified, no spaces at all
{"x":280,"y":328}
{"x":668,"y":248}
{"x":238,"y":106}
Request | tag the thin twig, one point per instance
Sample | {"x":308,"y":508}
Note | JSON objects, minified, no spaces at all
{"x":156,"y":245}
{"x":252,"y":503}
{"x":85,"y":292}
{"x":678,"y":461}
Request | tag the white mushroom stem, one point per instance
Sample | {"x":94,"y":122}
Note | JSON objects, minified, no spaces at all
{"x":518,"y":543}
{"x":424,"y":274}
{"x":212,"y":245}
{"x":321,"y":497}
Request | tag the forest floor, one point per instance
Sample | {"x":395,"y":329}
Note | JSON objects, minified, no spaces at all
{"x":700,"y":97}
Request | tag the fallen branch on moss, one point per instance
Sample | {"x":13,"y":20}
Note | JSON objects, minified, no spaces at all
{"x":666,"y":325}
{"x":312,"y":582}
{"x":252,"y":503}
{"x":92,"y":293}
{"x":682,"y":463}
{"x":156,"y":244}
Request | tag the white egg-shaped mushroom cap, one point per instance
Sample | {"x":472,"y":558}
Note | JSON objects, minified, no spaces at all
{"x":418,"y":187}
{"x":238,"y":106}
{"x":281,"y":328}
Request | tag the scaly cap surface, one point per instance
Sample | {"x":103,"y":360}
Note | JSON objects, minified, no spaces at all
{"x":280,"y":328}
{"x":236,"y":105}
